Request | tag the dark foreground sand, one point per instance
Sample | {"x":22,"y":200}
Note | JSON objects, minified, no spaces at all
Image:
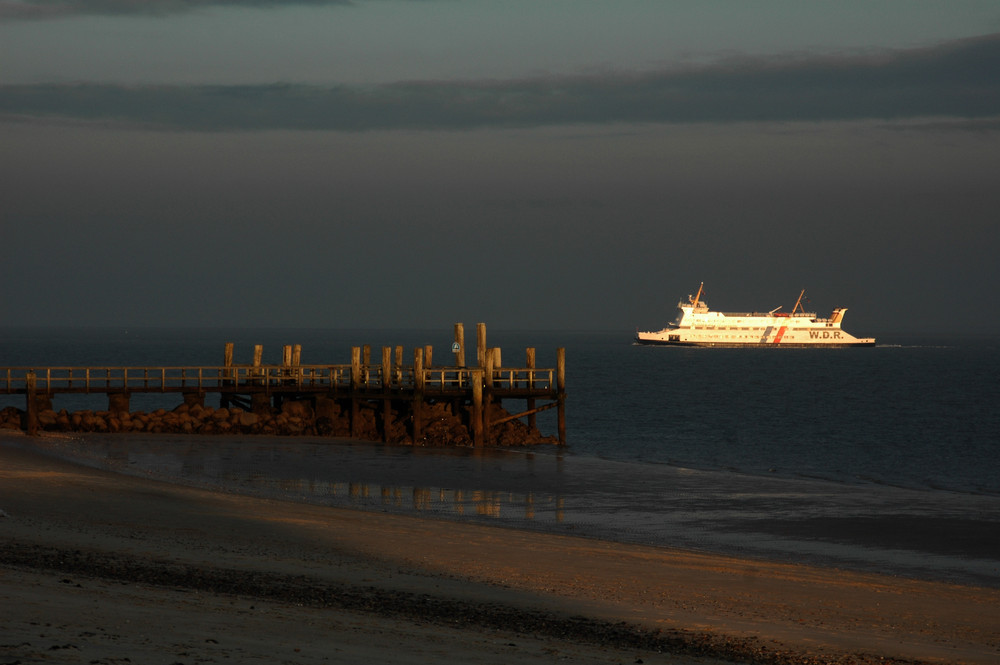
{"x":101,"y":568}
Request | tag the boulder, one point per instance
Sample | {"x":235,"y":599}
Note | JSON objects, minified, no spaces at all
{"x":298,"y":408}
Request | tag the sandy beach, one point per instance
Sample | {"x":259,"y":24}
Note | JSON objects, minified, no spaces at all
{"x":104,"y":568}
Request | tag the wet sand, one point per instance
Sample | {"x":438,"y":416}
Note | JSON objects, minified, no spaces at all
{"x":98,"y":567}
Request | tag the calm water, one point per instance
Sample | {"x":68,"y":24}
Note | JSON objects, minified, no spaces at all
{"x":876,"y":459}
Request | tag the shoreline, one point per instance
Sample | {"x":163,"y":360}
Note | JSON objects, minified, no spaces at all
{"x":466,"y":584}
{"x":944,"y":537}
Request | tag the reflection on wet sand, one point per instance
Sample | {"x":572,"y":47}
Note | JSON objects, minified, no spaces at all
{"x":321,"y":474}
{"x":439,"y":500}
{"x":938,"y":536}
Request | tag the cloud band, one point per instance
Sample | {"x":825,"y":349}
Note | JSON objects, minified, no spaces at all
{"x":957,"y":79}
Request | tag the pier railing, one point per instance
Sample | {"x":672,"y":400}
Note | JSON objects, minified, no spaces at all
{"x":15,"y":380}
{"x":263,"y":388}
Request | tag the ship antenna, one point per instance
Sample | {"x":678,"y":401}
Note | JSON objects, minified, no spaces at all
{"x":798,"y":304}
{"x":694,"y":303}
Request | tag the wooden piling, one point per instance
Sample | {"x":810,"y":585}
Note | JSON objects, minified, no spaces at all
{"x":561,"y":393}
{"x":460,"y":342}
{"x":487,"y":392}
{"x":477,"y":407}
{"x":286,"y":364}
{"x":118,"y":402}
{"x":260,"y":403}
{"x":529,"y":362}
{"x":458,"y":348}
{"x":480,"y":345}
{"x":386,"y":395}
{"x":296,"y":371}
{"x":191,"y":398}
{"x":355,"y":387}
{"x":228,"y":376}
{"x":31,"y":411}
{"x":488,"y":366}
{"x":418,"y":395}
{"x":366,"y":361}
{"x":258,"y":354}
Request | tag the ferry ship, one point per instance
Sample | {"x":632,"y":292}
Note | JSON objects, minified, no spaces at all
{"x":697,"y":325}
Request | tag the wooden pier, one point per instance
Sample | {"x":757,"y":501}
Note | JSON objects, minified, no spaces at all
{"x":384,"y":385}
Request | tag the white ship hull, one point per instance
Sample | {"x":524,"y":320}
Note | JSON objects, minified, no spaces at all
{"x":697,"y":325}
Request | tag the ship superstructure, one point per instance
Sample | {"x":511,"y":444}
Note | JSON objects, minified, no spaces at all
{"x":697,"y":325}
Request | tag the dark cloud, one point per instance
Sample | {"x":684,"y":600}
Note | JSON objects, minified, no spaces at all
{"x":986,"y":125}
{"x":49,"y":9}
{"x":953,"y":80}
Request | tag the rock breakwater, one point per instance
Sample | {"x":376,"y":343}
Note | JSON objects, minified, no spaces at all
{"x":444,"y":424}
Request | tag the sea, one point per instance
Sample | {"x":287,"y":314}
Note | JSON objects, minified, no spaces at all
{"x":883,"y":459}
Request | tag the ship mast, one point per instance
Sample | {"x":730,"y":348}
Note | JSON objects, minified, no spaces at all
{"x":798,"y":304}
{"x":694,"y":303}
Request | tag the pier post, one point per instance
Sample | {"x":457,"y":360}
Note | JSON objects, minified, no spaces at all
{"x":477,"y":407}
{"x":561,"y":392}
{"x":355,"y":387}
{"x":31,"y":410}
{"x":428,"y":355}
{"x":418,"y":394}
{"x":297,"y":362}
{"x":118,"y":402}
{"x":460,"y":341}
{"x":286,"y":364}
{"x":459,"y":349}
{"x":386,"y":395}
{"x":481,"y":345}
{"x":258,"y":354}
{"x":487,"y":398}
{"x":191,"y":398}
{"x":497,"y":365}
{"x":529,"y":362}
{"x":227,"y":374}
{"x":260,"y":403}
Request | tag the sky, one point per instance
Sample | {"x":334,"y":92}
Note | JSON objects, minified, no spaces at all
{"x":530,"y":164}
